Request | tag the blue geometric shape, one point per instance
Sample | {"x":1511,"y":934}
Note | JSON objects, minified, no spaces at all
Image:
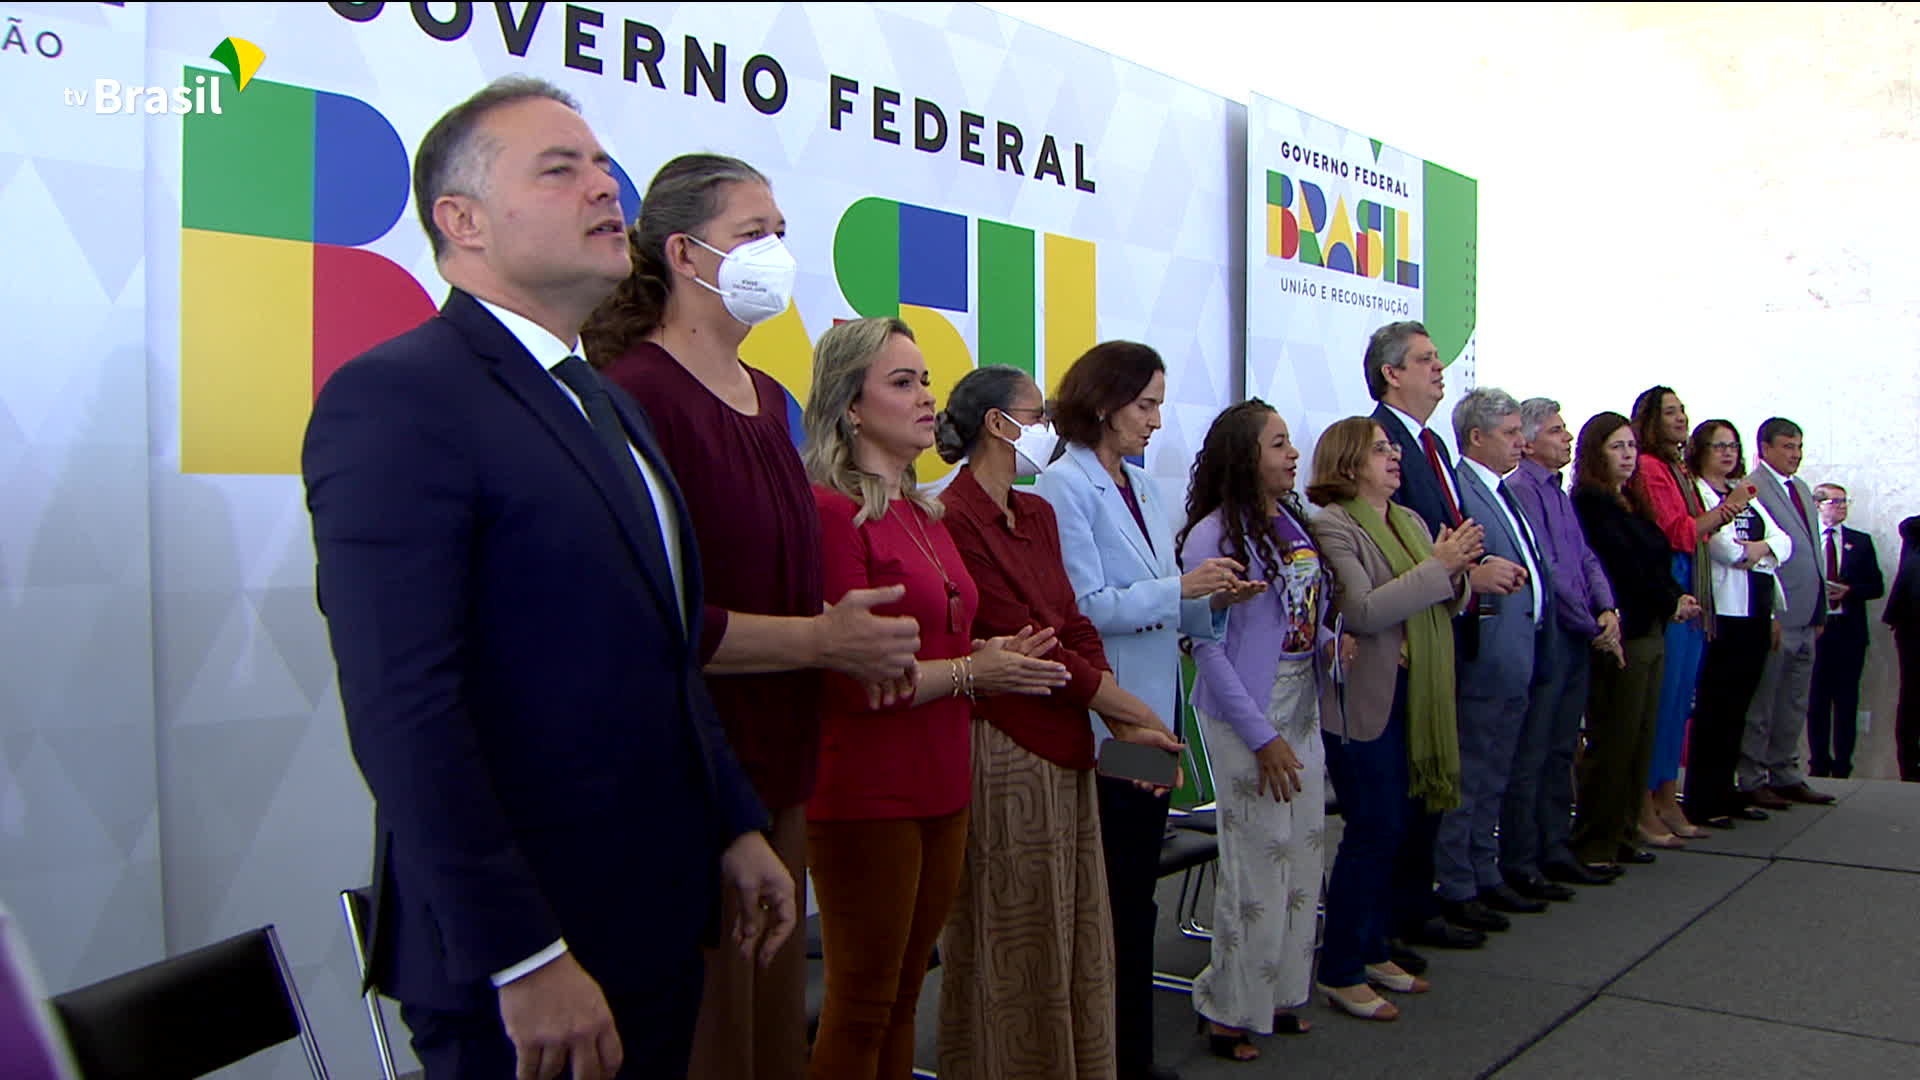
{"x":1409,"y":275}
{"x":793,"y":420}
{"x":1340,"y":257}
{"x":933,"y":258}
{"x":360,"y":173}
{"x":1316,"y":201}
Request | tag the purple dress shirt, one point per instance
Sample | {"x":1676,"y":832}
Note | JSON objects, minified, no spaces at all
{"x":1578,"y":581}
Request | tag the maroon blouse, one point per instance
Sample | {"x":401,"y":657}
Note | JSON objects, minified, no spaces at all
{"x":759,"y":539}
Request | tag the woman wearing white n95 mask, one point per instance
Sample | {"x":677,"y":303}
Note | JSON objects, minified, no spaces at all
{"x":708,"y":264}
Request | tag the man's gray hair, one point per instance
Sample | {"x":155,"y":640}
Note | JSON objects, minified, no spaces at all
{"x":1533,"y":416}
{"x":1481,"y":410}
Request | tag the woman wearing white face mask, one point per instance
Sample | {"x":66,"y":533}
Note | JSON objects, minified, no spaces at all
{"x":708,"y":263}
{"x":1027,"y":988}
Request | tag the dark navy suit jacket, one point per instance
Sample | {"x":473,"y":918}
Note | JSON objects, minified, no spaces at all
{"x":1859,"y":568}
{"x":520,"y":693}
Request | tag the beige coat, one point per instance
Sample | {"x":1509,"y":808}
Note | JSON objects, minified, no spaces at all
{"x":1375,"y":606}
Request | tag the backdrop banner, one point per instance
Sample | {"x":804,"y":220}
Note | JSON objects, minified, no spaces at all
{"x":1013,"y":195}
{"x":1344,"y":235}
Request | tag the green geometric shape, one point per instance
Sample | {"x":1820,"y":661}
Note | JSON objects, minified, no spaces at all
{"x":1390,"y":243}
{"x":249,"y":169}
{"x":1276,"y":189}
{"x":866,"y":257}
{"x":1375,"y":143}
{"x":1449,"y":276}
{"x":228,"y":58}
{"x":1310,"y":249}
{"x":1006,"y":288}
{"x":1196,"y":787}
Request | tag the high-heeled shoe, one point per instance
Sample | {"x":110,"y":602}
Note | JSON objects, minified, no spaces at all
{"x":1661,"y":840}
{"x":1377,"y":1009}
{"x":1677,"y":824}
{"x":1397,"y":981}
{"x":1227,"y":1046}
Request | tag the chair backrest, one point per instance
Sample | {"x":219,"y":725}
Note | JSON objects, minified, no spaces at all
{"x":189,"y":1015}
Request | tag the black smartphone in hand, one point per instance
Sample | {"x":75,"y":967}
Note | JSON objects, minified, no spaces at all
{"x":1132,"y":761}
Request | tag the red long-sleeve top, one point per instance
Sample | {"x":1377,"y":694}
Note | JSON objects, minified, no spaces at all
{"x":1023,"y":582}
{"x":902,"y":761}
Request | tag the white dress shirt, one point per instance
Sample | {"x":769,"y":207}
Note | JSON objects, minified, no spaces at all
{"x":548,"y":351}
{"x":1518,"y":523}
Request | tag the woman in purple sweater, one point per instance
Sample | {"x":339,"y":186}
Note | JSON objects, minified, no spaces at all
{"x":1257,"y":698}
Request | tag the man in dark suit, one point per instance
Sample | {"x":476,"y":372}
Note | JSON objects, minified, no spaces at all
{"x":1903,"y":615}
{"x":513,"y":597}
{"x":1852,"y":571}
{"x":1406,"y":376}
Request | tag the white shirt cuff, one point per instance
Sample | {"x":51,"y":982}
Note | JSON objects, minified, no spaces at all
{"x":531,"y":964}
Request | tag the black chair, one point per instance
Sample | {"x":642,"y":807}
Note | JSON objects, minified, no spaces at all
{"x":189,"y":1015}
{"x":1183,"y":851}
{"x":354,"y":906}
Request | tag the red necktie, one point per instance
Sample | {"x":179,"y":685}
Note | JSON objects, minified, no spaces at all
{"x":1798,"y":506}
{"x":1440,"y":473}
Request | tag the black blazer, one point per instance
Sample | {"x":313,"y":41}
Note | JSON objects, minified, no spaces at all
{"x":1634,"y":553}
{"x":520,"y":693}
{"x":1860,"y":568}
{"x":1903,"y":602}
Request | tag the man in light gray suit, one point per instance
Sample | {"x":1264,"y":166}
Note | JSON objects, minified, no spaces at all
{"x":1770,"y":774}
{"x":1493,"y":684}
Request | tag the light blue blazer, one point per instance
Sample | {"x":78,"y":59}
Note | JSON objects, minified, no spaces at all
{"x":1128,"y":588}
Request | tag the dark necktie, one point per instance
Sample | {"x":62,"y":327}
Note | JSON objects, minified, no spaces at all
{"x":1833,"y":565}
{"x":586,"y":385}
{"x":1798,"y":506}
{"x":1526,"y":535}
{"x":1439,"y":463}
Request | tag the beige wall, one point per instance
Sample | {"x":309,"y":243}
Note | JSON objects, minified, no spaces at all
{"x":1712,"y":196}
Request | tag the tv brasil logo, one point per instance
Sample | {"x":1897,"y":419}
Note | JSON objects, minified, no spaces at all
{"x":241,"y":58}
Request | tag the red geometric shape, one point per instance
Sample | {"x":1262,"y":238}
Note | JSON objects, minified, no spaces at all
{"x":360,"y":299}
{"x":1289,"y":234}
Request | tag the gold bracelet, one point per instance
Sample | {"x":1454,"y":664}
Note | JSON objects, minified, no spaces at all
{"x":969,"y":663}
{"x":953,"y":669}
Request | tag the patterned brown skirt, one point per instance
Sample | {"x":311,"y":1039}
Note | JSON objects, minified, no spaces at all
{"x":1026,"y":986}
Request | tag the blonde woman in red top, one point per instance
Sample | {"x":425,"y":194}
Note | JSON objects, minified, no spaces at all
{"x":887,"y":824}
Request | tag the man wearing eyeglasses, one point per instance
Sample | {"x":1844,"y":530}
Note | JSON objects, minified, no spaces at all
{"x":1851,"y":569}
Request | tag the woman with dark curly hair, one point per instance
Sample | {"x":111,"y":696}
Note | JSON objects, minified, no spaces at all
{"x":1257,"y":700}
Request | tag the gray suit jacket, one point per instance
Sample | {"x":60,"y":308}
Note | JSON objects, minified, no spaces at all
{"x":1800,"y":575}
{"x":1503,"y":666}
{"x":1375,"y":606}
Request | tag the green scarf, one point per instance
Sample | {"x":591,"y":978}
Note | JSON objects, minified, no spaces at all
{"x":1433,"y":743}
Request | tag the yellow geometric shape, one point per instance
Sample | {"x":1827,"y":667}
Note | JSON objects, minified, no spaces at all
{"x":781,"y":348}
{"x":1341,"y":230}
{"x":246,"y":352}
{"x":241,"y":57}
{"x":1402,"y":246}
{"x":1070,"y":305}
{"x":948,"y":360}
{"x":1273,"y":230}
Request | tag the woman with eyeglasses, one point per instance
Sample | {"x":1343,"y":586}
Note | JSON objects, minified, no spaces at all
{"x":1623,"y":701}
{"x":1387,"y":721}
{"x":887,"y":824}
{"x":1026,"y":990}
{"x":1746,"y":592}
